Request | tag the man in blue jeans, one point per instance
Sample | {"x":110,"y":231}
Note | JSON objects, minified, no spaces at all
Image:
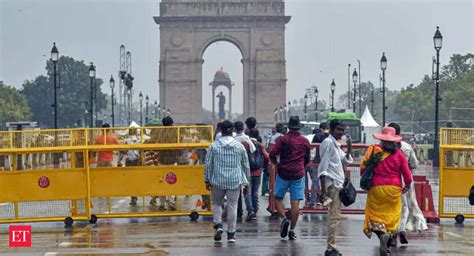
{"x":293,"y":152}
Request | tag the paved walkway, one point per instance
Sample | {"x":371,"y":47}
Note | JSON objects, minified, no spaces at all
{"x":179,"y":236}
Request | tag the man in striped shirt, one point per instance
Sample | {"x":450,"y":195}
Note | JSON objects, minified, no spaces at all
{"x":226,"y":171}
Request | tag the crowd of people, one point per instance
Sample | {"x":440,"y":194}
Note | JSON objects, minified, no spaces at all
{"x":237,"y":171}
{"x":237,"y":165}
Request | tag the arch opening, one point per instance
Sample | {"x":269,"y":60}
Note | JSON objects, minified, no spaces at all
{"x":223,"y":70}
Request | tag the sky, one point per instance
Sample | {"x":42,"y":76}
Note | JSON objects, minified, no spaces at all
{"x":322,"y":38}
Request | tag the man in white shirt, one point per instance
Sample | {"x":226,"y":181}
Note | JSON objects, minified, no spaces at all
{"x":331,"y":175}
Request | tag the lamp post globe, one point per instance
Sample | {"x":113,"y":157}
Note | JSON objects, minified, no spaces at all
{"x":354,"y":80}
{"x":54,"y":54}
{"x":438,"y":39}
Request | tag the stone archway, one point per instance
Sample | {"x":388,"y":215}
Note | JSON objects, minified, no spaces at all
{"x":188,"y":27}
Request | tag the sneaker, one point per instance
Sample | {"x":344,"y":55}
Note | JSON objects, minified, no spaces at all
{"x":251,"y":216}
{"x":403,"y":238}
{"x":384,"y":250}
{"x":333,"y":252}
{"x":292,"y":235}
{"x":285,"y":223}
{"x":218,"y":232}
{"x":231,"y":237}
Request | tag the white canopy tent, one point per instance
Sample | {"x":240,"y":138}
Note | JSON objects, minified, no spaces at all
{"x":370,"y":127}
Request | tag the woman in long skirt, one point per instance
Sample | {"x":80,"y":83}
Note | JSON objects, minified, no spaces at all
{"x":384,"y":204}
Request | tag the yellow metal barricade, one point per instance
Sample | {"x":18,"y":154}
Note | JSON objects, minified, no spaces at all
{"x":82,"y":174}
{"x":456,"y":172}
{"x":165,"y":178}
{"x":42,"y":176}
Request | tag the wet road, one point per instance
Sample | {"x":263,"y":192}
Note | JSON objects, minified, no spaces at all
{"x":179,"y":236}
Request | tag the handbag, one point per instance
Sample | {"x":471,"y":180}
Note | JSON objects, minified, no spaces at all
{"x":348,"y":193}
{"x":366,"y":177}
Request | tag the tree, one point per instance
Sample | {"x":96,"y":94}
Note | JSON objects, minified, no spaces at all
{"x":14,"y":106}
{"x":456,"y":86}
{"x":73,"y":93}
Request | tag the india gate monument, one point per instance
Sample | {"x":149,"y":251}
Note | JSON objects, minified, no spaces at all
{"x":255,"y":27}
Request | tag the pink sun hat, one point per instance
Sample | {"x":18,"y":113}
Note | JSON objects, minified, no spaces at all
{"x":388,"y":134}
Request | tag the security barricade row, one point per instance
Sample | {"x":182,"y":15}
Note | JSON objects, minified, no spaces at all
{"x":422,"y":188}
{"x":456,"y":177}
{"x":85,"y":174}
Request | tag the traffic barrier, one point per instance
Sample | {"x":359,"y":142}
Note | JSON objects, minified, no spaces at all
{"x":67,"y":172}
{"x":38,"y":182}
{"x":424,"y":198}
{"x":456,"y":175}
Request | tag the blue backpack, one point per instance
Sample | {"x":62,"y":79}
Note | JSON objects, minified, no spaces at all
{"x":255,"y":158}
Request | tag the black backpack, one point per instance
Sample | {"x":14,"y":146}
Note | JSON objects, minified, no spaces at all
{"x":255,"y":158}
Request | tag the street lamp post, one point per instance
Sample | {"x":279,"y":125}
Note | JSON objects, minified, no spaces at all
{"x":92,"y":78}
{"x":360,"y":93}
{"x":285,"y":109}
{"x":147,"y":101}
{"x":112,"y":86}
{"x":156,"y":110}
{"x":289,"y":109}
{"x":383,"y":66}
{"x":354,"y":79}
{"x":305,"y":105}
{"x":372,"y":103}
{"x":333,"y":89}
{"x":438,"y":43}
{"x":54,"y":59}
{"x":140,"y":97}
{"x":348,"y":86}
{"x":159,"y":111}
{"x":316,"y":103}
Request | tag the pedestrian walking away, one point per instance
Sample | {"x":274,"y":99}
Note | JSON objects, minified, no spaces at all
{"x":319,"y":137}
{"x":331,"y":175}
{"x":226,"y":171}
{"x":291,"y":153}
{"x":412,"y":218}
{"x":384,"y":204}
{"x":257,"y":161}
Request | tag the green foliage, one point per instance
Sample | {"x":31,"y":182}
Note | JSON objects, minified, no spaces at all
{"x":14,"y":106}
{"x":73,"y":93}
{"x":456,"y":86}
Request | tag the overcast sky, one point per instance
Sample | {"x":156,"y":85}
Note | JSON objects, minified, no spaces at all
{"x":321,"y":39}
